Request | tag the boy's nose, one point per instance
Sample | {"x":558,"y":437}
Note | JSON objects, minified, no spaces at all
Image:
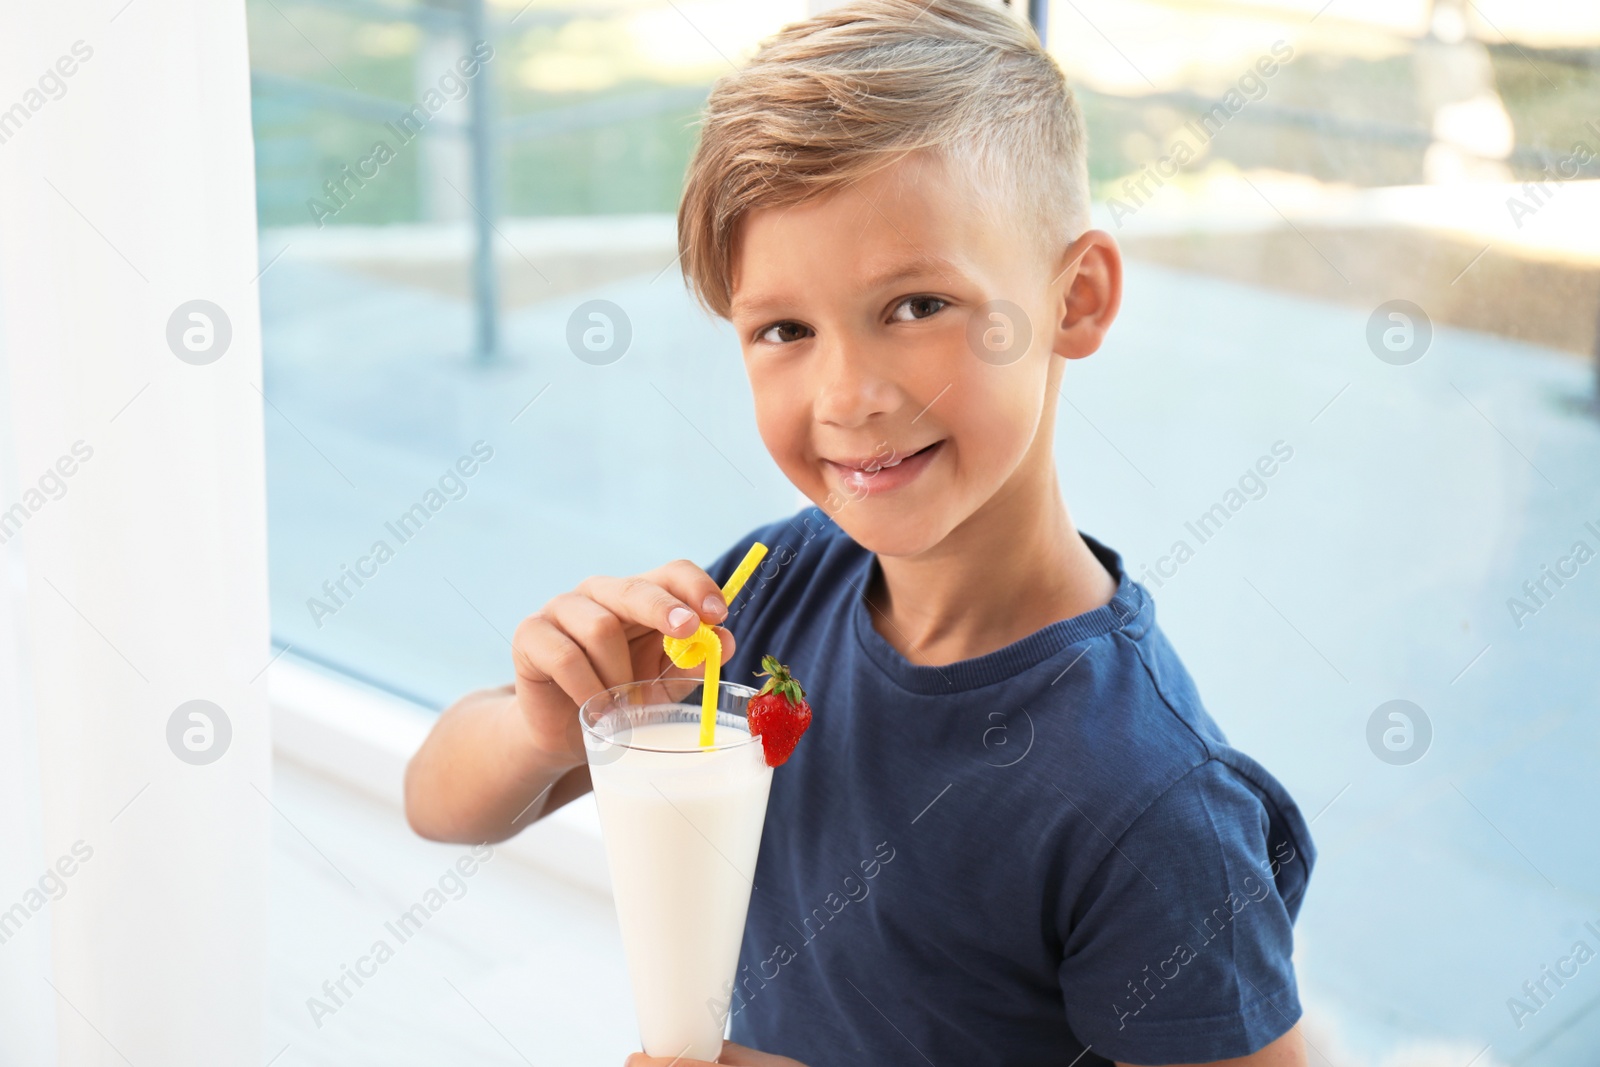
{"x":851,"y":389}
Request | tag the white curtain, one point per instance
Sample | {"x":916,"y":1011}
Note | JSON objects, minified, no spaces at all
{"x":135,"y":512}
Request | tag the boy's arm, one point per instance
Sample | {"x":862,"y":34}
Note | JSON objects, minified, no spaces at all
{"x":1287,"y":1051}
{"x":499,"y":759}
{"x":732,"y":1055}
{"x":479,"y":776}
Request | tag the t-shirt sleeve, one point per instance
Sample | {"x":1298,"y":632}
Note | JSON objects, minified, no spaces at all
{"x":1178,"y":948}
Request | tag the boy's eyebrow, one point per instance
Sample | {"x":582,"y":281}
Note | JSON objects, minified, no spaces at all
{"x":919,"y":265}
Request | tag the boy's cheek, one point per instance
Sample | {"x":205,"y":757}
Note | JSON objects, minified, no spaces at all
{"x":784,"y":440}
{"x":785,"y":430}
{"x":997,"y":426}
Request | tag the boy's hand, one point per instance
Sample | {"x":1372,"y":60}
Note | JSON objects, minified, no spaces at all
{"x":731,"y":1056}
{"x":605,"y":633}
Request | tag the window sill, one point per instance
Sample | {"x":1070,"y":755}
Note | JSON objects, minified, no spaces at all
{"x":362,"y":738}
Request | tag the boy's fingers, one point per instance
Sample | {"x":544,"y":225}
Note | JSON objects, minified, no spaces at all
{"x":542,"y":652}
{"x":726,"y":638}
{"x":642,"y":602}
{"x":687,"y":581}
{"x":598,"y":632}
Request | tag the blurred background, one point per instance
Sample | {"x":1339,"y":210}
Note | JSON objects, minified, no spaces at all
{"x":410,"y":313}
{"x":1364,"y":232}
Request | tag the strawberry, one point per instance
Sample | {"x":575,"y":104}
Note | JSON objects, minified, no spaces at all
{"x":778,"y":714}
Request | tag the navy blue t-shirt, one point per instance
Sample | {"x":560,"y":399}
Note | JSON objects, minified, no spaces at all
{"x":1007,"y":859}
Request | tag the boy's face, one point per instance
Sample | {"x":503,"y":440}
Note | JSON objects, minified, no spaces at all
{"x":884,"y":388}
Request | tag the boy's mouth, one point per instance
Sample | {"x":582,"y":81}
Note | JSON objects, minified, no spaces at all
{"x":882,"y":474}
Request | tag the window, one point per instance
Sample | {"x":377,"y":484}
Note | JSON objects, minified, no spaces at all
{"x":390,"y":561}
{"x":1344,"y":430}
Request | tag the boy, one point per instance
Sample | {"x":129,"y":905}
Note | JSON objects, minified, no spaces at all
{"x":1012,"y":834}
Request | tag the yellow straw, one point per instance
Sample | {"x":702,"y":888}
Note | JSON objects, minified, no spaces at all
{"x":708,"y":696}
{"x":743,"y":571}
{"x":703,"y":645}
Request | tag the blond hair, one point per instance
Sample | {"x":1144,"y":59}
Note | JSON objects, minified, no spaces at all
{"x":832,"y":99}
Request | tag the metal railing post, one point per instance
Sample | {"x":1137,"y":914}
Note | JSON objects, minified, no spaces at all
{"x":485,"y":284}
{"x":1038,"y":14}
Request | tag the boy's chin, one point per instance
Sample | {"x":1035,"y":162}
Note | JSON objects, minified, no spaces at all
{"x":890,"y":531}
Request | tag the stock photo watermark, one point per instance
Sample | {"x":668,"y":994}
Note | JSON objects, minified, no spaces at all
{"x":52,"y":885}
{"x":50,"y":86}
{"x":999,"y":332}
{"x":1399,"y":332}
{"x":1250,"y":87}
{"x":199,"y":332}
{"x":1140,"y":991}
{"x":1536,"y":992}
{"x":50,"y":486}
{"x":996,"y":738}
{"x":344,"y":188}
{"x":1536,"y":194}
{"x":450,"y":886}
{"x":199,"y":732}
{"x":599,"y":332}
{"x":1399,"y":732}
{"x":812,"y":523}
{"x":1553,"y":577}
{"x":1251,"y":485}
{"x":883,"y":456}
{"x":739,"y":991}
{"x":452,"y":485}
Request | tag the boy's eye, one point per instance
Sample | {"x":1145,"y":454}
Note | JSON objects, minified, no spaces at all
{"x":781,"y":333}
{"x":916,"y":307}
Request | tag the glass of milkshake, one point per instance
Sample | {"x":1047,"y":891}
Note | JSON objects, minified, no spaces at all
{"x":682,"y":826}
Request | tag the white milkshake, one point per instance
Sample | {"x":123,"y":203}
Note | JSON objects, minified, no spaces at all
{"x":682,"y":828}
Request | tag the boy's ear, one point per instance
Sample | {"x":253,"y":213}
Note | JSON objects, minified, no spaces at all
{"x":1088,"y":293}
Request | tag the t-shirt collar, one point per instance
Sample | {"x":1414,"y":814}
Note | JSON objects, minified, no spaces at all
{"x":1130,"y":610}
